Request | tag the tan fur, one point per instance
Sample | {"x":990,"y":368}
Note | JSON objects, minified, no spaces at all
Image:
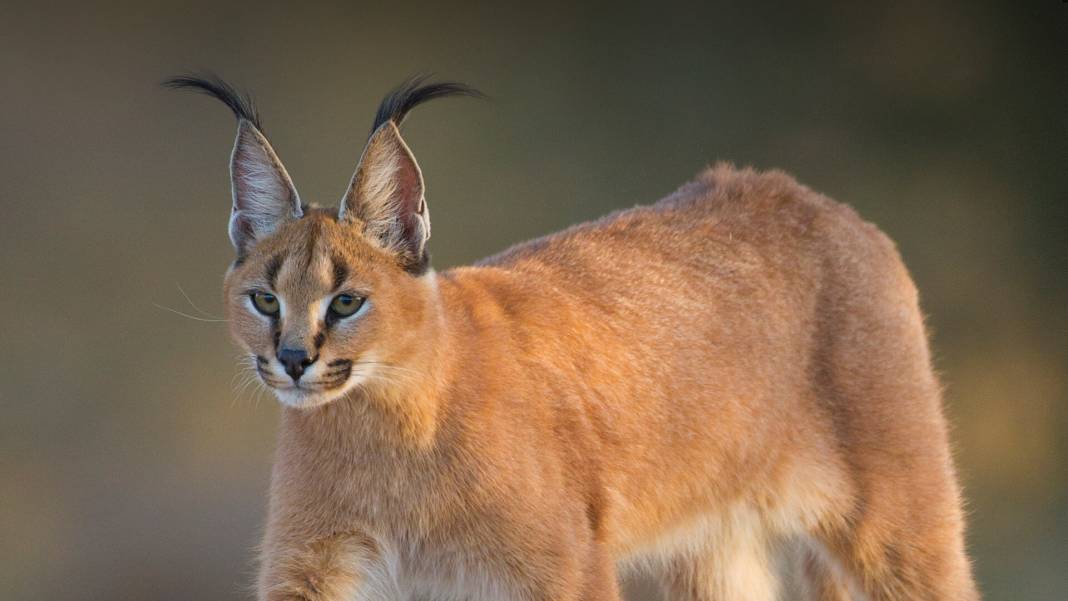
{"x":693,"y":388}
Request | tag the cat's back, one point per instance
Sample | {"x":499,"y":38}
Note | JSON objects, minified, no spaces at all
{"x":726,"y":227}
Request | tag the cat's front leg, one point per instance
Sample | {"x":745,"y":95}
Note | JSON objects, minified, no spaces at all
{"x":306,"y":568}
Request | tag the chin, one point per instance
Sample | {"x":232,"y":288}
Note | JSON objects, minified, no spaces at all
{"x":303,"y":399}
{"x":300,"y":398}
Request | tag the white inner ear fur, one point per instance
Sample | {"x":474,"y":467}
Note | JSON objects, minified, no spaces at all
{"x":263,"y":193}
{"x":383,"y":187}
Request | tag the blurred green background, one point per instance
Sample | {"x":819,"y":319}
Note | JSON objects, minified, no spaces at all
{"x":131,"y":467}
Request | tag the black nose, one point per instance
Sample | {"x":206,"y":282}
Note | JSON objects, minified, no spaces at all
{"x":295,"y":361}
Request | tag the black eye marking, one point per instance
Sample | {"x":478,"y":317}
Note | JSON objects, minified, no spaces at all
{"x":320,"y":338}
{"x":261,"y":360}
{"x":341,"y":273}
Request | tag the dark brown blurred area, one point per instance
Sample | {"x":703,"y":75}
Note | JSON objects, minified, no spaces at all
{"x":133,"y":464}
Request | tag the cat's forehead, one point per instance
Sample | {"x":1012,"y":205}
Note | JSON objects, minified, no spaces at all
{"x":313,"y":251}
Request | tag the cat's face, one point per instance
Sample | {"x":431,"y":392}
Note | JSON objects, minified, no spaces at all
{"x":327,"y":300}
{"x":319,"y":309}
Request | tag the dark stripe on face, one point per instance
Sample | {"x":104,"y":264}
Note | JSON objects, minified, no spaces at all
{"x":341,"y":272}
{"x":309,"y":246}
{"x":272,"y":270}
{"x":320,"y":338}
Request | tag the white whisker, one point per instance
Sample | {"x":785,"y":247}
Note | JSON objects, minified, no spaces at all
{"x":194,"y":305}
{"x":186,"y":315}
{"x":384,"y":372}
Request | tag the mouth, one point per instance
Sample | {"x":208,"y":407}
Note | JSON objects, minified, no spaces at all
{"x":333,"y":377}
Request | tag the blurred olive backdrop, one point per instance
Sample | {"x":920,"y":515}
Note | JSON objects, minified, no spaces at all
{"x":131,"y":467}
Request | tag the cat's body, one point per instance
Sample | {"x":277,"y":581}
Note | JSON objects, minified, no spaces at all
{"x":708,"y":388}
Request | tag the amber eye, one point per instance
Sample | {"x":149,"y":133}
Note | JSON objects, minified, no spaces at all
{"x":345,"y":305}
{"x":265,"y":303}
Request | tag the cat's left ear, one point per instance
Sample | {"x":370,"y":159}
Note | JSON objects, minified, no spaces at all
{"x":386,"y":198}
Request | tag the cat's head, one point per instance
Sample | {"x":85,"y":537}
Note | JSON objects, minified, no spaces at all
{"x":324,"y":300}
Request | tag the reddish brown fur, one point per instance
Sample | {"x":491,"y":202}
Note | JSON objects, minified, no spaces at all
{"x":692,"y":388}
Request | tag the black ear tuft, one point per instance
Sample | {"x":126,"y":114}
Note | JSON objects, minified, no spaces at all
{"x":210,"y":84}
{"x":413,"y":92}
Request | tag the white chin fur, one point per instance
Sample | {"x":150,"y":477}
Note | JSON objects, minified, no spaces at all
{"x":302,"y":399}
{"x":307,"y":399}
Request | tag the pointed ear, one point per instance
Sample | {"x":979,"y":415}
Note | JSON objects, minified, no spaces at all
{"x":386,"y":198}
{"x":264,"y":196}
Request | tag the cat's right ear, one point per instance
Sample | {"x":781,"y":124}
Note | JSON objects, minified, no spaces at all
{"x":263,"y":194}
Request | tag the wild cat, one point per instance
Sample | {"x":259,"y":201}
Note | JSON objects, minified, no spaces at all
{"x":708,"y":388}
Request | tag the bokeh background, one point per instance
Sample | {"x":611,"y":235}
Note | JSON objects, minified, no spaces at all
{"x":132,"y":467}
